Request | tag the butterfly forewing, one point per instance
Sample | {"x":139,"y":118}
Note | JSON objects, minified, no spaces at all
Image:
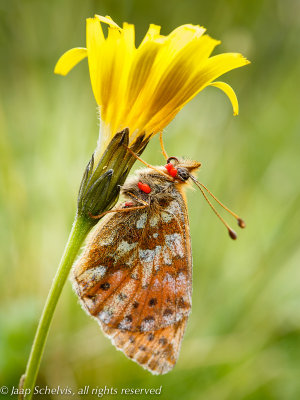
{"x":135,"y":278}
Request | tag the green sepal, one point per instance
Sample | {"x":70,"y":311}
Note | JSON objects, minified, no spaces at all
{"x":100,"y":186}
{"x":97,"y":193}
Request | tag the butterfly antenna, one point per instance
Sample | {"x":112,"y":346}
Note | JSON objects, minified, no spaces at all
{"x":162,"y":146}
{"x":241,"y":223}
{"x":145,"y":163}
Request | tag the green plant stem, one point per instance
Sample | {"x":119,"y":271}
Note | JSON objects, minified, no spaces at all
{"x":80,"y":229}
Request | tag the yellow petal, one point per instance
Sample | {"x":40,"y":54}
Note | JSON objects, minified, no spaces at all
{"x":107,"y":20}
{"x":141,"y":69}
{"x":218,"y":65}
{"x":129,"y":35}
{"x":123,"y":59}
{"x":227,"y":89}
{"x":94,"y":42}
{"x":183,"y":35}
{"x":179,"y":71}
{"x":183,"y":83}
{"x":69,"y":59}
{"x":113,"y":54}
{"x":163,"y":91}
{"x":211,"y":69}
{"x":152,"y":33}
{"x":158,"y":123}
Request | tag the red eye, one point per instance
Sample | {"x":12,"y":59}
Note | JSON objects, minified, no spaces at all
{"x":144,"y":187}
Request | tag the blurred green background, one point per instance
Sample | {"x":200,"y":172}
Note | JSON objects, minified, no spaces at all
{"x":243,"y":338}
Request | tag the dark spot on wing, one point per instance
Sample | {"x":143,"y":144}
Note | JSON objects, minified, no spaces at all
{"x":152,"y":302}
{"x":163,"y":341}
{"x":163,"y":202}
{"x":150,"y":337}
{"x":128,"y":318}
{"x":181,"y":303}
{"x":105,"y":286}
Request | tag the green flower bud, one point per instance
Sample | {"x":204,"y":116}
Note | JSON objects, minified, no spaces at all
{"x":100,"y":186}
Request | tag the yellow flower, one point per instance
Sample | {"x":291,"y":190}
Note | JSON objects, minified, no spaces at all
{"x":143,"y":88}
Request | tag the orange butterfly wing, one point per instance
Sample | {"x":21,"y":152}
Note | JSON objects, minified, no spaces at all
{"x":155,"y":351}
{"x":135,"y":278}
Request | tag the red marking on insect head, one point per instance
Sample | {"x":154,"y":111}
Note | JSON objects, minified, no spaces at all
{"x":173,"y":172}
{"x":144,"y":187}
{"x":171,"y":169}
{"x":169,"y":166}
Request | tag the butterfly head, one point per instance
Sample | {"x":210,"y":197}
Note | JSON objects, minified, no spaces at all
{"x":181,"y":169}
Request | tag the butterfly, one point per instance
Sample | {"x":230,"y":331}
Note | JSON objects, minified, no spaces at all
{"x":135,"y":274}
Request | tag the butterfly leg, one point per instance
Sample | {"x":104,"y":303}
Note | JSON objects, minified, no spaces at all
{"x":145,"y":204}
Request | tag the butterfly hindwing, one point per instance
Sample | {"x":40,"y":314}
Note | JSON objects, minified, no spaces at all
{"x":146,"y":272}
{"x":135,"y":274}
{"x":157,"y":352}
{"x":135,"y":277}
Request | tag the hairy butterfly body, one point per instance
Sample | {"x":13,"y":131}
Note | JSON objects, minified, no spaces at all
{"x":135,"y":275}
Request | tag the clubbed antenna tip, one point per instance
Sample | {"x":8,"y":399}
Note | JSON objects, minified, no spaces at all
{"x":240,"y":221}
{"x":232,"y":234}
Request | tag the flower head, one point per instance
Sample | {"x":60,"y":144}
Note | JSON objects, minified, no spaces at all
{"x":143,"y":88}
